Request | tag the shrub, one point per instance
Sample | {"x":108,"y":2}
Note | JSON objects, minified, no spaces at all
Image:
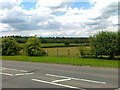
{"x":33,"y":47}
{"x":105,"y":43}
{"x":10,"y":46}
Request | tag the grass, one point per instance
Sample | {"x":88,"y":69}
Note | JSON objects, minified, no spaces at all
{"x":67,"y":60}
{"x":51,"y":44}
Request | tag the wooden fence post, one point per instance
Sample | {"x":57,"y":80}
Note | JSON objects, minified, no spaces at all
{"x":68,"y":52}
{"x":46,"y":51}
{"x":57,"y":52}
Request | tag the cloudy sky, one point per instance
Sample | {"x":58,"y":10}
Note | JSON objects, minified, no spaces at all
{"x":66,"y":18}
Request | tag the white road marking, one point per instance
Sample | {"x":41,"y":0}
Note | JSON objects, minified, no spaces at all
{"x":93,"y":81}
{"x":6,"y":74}
{"x":20,"y":74}
{"x":28,"y":73}
{"x":54,"y":83}
{"x":13,"y":69}
{"x":23,"y":71}
{"x":61,"y":80}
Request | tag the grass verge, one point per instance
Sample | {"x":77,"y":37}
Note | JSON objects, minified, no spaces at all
{"x":67,"y":60}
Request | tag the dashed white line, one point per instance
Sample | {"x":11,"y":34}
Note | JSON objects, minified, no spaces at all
{"x":13,"y":69}
{"x":28,"y":73}
{"x":23,"y":71}
{"x":37,"y":80}
{"x":21,"y":74}
{"x":6,"y":74}
{"x":62,"y":80}
{"x":93,"y":81}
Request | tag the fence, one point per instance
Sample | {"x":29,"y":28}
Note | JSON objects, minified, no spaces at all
{"x":63,"y":52}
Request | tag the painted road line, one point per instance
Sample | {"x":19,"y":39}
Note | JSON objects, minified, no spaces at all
{"x":23,"y":71}
{"x":86,"y":80}
{"x":21,"y":74}
{"x":6,"y":74}
{"x":10,"y":69}
{"x":67,"y":86}
{"x":62,"y":80}
{"x":13,"y":69}
{"x":28,"y":73}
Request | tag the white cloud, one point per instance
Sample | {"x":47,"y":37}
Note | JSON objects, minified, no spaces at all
{"x":55,"y":17}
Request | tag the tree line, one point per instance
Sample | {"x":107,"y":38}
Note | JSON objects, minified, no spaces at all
{"x":103,"y":44}
{"x":23,"y":39}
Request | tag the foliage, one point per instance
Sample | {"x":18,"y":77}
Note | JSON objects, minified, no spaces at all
{"x":33,"y":47}
{"x":10,"y":46}
{"x":67,"y":43}
{"x":105,"y":43}
{"x":85,"y":51}
{"x":23,"y":39}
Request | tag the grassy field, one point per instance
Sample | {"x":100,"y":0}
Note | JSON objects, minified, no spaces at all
{"x":63,"y":51}
{"x":51,"y":44}
{"x":59,"y":51}
{"x":67,"y":60}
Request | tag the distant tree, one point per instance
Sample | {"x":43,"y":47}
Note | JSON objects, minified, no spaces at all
{"x":105,"y":43}
{"x":10,"y":46}
{"x":33,"y":47}
{"x":67,"y":43}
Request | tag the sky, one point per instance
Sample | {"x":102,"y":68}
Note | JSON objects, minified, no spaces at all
{"x":58,"y":18}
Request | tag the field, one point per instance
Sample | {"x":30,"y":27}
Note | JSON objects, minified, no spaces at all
{"x":63,"y":51}
{"x":58,"y":49}
{"x":67,"y":60}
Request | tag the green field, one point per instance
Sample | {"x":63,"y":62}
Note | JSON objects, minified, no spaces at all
{"x":51,"y":44}
{"x":67,"y":60}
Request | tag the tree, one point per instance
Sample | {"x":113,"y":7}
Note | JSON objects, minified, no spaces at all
{"x":10,"y":46}
{"x":33,"y":47}
{"x":105,"y":43}
{"x":67,"y":43}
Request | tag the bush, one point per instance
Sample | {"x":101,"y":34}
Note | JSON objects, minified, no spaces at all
{"x":85,"y":51}
{"x":105,"y":43}
{"x":33,"y":47}
{"x":10,"y":46}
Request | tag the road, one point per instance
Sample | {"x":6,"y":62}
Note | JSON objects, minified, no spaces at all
{"x":43,"y":75}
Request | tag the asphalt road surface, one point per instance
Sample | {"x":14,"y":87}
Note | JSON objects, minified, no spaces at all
{"x":43,"y":75}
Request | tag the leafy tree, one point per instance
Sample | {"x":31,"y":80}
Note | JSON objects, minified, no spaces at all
{"x":10,"y":46}
{"x":105,"y":43}
{"x":67,"y":43}
{"x":33,"y":47}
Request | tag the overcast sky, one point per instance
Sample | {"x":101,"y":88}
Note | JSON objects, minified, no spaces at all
{"x":66,"y":18}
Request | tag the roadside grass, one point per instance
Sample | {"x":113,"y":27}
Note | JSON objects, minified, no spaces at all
{"x":67,"y":61}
